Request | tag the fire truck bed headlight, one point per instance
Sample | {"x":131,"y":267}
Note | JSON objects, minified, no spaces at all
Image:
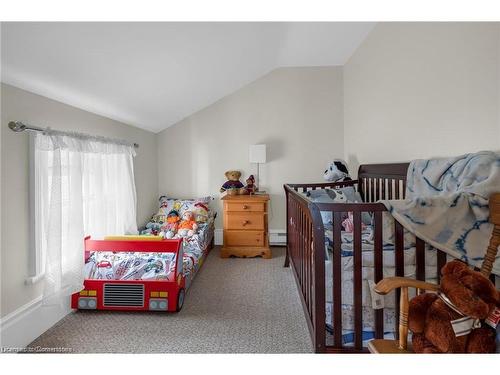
{"x":87,"y":303}
{"x":158,"y":304}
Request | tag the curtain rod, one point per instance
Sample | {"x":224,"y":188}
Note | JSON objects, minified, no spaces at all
{"x":18,"y":126}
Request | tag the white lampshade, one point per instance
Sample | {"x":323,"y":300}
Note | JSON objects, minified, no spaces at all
{"x":257,"y":153}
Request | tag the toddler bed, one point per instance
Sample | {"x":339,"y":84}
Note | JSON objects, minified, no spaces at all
{"x":336,"y":271}
{"x":146,"y":272}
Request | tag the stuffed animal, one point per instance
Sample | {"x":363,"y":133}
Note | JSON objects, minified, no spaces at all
{"x":348,"y":223}
{"x":201,"y":212}
{"x":438,"y":321}
{"x":152,"y":228}
{"x":336,"y":171}
{"x":169,"y":229}
{"x":233,"y":184}
{"x":187,"y":226}
{"x":250,"y":187}
{"x":163,"y":201}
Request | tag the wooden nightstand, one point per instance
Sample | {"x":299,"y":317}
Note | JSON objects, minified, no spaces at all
{"x":245,"y":226}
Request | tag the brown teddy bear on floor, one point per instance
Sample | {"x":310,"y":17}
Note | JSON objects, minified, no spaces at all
{"x":463,"y":292}
{"x":233,"y":184}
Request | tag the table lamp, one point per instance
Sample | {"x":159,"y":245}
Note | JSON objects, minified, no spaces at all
{"x":257,"y":154}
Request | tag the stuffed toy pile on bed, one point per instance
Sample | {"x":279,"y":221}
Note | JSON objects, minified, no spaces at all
{"x":178,"y":218}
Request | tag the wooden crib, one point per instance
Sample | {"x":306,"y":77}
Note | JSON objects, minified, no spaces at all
{"x":306,"y":251}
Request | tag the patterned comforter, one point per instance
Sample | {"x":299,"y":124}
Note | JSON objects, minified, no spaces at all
{"x":108,"y":265}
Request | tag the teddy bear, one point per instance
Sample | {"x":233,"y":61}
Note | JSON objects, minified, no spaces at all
{"x":250,"y":187}
{"x":438,"y":321}
{"x":169,"y":229}
{"x":336,"y":171}
{"x":187,"y":226}
{"x":233,"y":184}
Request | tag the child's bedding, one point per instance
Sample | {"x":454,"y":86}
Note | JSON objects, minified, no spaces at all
{"x":194,"y":249}
{"x":107,"y":265}
{"x":368,"y":324}
{"x":369,"y":304}
{"x":368,"y":272}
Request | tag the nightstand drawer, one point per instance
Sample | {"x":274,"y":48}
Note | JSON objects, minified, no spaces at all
{"x":245,"y":206}
{"x":244,"y":238}
{"x":245,"y":221}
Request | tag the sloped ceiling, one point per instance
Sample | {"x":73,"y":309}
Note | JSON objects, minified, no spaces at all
{"x":152,"y":75}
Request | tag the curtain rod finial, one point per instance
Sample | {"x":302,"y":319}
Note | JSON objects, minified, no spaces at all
{"x":17,"y":126}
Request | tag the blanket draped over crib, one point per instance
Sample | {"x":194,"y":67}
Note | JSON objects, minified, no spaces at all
{"x":446,"y":204}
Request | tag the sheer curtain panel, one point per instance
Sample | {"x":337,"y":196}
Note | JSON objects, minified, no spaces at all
{"x":83,"y":186}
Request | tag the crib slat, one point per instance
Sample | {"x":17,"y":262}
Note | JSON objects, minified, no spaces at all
{"x":365,"y":190}
{"x":441,"y":261}
{"x":399,"y":261}
{"x":304,"y":254}
{"x":396,"y":183}
{"x":420,"y":259}
{"x":304,"y":246}
{"x":390,"y":183}
{"x":383,"y":181}
{"x":309,"y":266}
{"x":372,"y":190}
{"x":358,"y":286}
{"x":306,"y":261}
{"x":364,"y":187}
{"x":379,"y":274}
{"x":301,"y":250}
{"x":337,"y":280}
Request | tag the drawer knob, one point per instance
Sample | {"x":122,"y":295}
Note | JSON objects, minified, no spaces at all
{"x":245,"y":207}
{"x":245,"y":222}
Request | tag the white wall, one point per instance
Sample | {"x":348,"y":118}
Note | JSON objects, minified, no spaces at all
{"x":417,"y":90}
{"x":297,"y":112}
{"x":21,"y":105}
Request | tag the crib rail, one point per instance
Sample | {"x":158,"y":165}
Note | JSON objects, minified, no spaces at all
{"x":304,"y":258}
{"x":306,"y":253}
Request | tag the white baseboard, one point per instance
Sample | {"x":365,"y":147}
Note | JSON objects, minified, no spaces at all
{"x":219,"y":238}
{"x":25,"y":324}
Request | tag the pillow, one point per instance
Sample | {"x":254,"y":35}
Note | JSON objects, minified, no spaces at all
{"x":346,"y":194}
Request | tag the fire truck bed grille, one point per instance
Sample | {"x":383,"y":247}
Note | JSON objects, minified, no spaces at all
{"x":124,"y":295}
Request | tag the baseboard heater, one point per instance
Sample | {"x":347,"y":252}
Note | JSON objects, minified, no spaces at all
{"x":277,"y":237}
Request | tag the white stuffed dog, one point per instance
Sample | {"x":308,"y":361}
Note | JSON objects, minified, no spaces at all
{"x":336,"y":171}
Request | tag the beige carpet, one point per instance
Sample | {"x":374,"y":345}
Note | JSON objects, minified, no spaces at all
{"x":233,"y":306}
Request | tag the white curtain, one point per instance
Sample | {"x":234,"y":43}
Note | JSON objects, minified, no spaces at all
{"x":83,"y":186}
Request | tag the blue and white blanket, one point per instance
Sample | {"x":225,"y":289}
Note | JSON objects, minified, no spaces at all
{"x":446,"y":204}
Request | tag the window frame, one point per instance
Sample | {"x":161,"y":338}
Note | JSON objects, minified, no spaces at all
{"x":36,"y":267}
